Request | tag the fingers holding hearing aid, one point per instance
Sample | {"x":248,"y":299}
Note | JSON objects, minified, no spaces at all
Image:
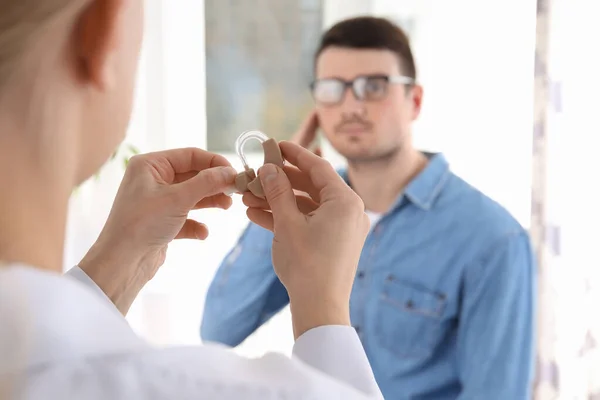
{"x":310,"y":174}
{"x":255,"y":204}
{"x":279,"y":195}
{"x":313,"y":174}
{"x":317,"y":238}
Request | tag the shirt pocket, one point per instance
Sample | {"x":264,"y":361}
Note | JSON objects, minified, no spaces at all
{"x":409,"y":318}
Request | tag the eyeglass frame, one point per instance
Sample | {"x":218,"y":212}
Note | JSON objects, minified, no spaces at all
{"x":390,"y":79}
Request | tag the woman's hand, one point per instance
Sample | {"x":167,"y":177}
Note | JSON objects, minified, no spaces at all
{"x":150,"y":210}
{"x":318,"y":238}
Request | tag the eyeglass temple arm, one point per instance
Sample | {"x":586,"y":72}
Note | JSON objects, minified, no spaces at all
{"x":402,"y":79}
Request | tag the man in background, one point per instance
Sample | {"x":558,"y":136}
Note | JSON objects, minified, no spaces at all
{"x":443,"y":300}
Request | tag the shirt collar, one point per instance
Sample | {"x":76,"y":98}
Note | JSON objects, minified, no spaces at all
{"x":425,"y":188}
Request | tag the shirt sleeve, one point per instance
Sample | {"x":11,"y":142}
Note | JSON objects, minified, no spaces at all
{"x":205,"y":372}
{"x":496,"y":333}
{"x":328,"y":362}
{"x":245,"y":292}
{"x":83,"y":278}
{"x":337,"y":352}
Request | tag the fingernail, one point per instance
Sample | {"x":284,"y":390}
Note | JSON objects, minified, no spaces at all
{"x":267,"y":172}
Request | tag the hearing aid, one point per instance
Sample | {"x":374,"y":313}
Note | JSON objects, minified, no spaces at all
{"x":247,"y":180}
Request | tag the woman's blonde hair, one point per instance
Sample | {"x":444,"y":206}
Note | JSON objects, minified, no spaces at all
{"x":21,"y":21}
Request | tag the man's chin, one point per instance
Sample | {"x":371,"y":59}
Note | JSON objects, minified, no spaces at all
{"x":353,"y":150}
{"x":359,"y":157}
{"x":368,"y":157}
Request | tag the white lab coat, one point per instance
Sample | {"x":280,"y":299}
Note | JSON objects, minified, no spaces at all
{"x":61,"y":338}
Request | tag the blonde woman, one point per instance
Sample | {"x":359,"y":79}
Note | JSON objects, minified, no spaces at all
{"x":66,"y":80}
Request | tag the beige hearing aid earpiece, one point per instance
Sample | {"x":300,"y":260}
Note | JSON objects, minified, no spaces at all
{"x":247,"y":180}
{"x":243,"y":179}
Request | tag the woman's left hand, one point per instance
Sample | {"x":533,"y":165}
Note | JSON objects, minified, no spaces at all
{"x":150,"y":210}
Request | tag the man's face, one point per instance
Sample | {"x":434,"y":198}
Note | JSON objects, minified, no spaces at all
{"x":367,"y":130}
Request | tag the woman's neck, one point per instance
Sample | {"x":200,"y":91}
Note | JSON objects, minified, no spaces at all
{"x":34,"y":198}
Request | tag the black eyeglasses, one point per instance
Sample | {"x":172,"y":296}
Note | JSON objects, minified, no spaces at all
{"x":330,"y":91}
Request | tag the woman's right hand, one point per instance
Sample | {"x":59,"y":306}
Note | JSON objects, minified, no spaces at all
{"x":318,"y":238}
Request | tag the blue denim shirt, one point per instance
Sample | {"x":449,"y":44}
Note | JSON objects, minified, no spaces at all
{"x":443,"y":300}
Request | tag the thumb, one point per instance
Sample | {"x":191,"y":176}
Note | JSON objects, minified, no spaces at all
{"x":206,"y":183}
{"x":278,"y":192}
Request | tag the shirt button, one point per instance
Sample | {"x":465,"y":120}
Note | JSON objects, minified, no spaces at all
{"x":360,"y":275}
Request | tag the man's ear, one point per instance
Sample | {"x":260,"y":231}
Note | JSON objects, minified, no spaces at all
{"x":416,"y":95}
{"x":97,"y":36}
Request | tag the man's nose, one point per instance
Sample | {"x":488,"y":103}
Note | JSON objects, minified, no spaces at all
{"x":351,"y":104}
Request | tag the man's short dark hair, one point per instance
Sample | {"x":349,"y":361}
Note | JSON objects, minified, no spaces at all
{"x":371,"y":33}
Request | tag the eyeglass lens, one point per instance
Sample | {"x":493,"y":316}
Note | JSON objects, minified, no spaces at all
{"x":331,"y":91}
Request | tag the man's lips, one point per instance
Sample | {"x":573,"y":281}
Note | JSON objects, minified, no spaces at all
{"x":354,"y":129}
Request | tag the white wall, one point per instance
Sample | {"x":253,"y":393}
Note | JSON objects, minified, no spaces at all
{"x":475,"y":59}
